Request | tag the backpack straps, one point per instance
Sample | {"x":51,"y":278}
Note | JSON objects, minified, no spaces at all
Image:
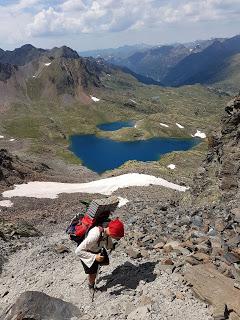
{"x":101,"y":229}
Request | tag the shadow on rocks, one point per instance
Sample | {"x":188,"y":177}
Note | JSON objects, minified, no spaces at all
{"x":128,"y":276}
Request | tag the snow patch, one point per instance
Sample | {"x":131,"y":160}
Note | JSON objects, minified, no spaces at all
{"x":171,"y":166}
{"x":6,"y":203}
{"x":1,"y":137}
{"x":164,"y":125}
{"x":179,"y":125}
{"x":34,"y":76}
{"x":12,"y":140}
{"x":122,"y":202}
{"x":47,"y":64}
{"x":199,"y":134}
{"x":95,"y":99}
{"x":106,"y":186}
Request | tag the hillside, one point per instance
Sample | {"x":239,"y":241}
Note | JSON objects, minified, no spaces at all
{"x":46,"y":100}
{"x":228,"y":76}
{"x":206,"y":66}
{"x":153,"y":62}
{"x":156,"y":62}
{"x":210,"y":62}
{"x":182,"y":225}
{"x":176,"y":250}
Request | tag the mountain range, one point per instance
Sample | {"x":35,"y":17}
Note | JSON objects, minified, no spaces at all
{"x":212,"y":62}
{"x":48,"y":95}
{"x":29,"y":73}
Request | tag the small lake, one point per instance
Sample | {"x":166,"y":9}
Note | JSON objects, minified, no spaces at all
{"x":113,"y":126}
{"x":101,"y":154}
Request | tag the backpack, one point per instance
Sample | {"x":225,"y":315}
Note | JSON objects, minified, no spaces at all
{"x":97,"y":214}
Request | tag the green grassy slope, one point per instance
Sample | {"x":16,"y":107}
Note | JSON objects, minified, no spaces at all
{"x":47,"y":120}
{"x":228,"y":79}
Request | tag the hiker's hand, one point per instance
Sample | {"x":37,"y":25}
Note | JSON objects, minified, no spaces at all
{"x":99,"y":258}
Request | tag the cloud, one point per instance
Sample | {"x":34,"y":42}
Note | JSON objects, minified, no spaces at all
{"x":91,"y":16}
{"x":29,"y":19}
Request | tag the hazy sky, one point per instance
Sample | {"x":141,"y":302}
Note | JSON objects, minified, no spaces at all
{"x":88,"y":24}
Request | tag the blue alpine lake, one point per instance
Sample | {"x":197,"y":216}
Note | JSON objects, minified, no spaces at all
{"x":101,"y":154}
{"x":113,"y":126}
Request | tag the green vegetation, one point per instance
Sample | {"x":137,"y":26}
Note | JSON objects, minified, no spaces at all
{"x":68,"y":156}
{"x":187,"y":163}
{"x":26,"y":127}
{"x":228,"y":78}
{"x":49,"y":119}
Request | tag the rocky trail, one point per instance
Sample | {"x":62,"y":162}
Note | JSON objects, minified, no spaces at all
{"x":131,"y":287}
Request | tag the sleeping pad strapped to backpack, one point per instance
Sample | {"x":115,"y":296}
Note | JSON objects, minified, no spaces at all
{"x":97,"y":214}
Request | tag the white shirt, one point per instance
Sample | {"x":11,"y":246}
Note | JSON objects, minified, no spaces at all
{"x":90,"y":246}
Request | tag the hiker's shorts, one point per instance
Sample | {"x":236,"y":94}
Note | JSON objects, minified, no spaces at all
{"x":93,"y":269}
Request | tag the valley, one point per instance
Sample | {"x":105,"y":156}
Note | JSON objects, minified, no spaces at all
{"x":58,"y":94}
{"x":181,"y":210}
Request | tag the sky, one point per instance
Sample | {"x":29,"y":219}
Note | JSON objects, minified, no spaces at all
{"x":96,"y":24}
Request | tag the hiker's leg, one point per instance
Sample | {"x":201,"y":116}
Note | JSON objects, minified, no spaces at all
{"x":92,"y":278}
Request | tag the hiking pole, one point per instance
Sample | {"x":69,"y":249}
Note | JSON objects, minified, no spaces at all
{"x":94,"y":288}
{"x":99,"y":266}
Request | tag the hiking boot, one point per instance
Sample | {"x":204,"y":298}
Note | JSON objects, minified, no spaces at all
{"x":93,"y":290}
{"x":92,"y":287}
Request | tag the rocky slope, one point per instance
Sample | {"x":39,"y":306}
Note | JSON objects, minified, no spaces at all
{"x":166,"y":239}
{"x":6,"y":71}
{"x":204,"y":67}
{"x":156,"y":62}
{"x":28,"y":53}
{"x":15,"y":171}
{"x":219,"y":177}
{"x":152,"y":62}
{"x":212,"y":62}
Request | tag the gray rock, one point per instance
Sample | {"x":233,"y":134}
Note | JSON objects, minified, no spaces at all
{"x":197,"y":221}
{"x":134,"y":254}
{"x":36,"y":305}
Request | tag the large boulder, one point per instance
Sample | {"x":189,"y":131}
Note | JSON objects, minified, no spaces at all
{"x":214,"y":288}
{"x":17,"y":229}
{"x":14,"y":170}
{"x":36,"y":305}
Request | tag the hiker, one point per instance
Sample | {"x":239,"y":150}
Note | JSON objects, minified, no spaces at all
{"x":97,"y":241}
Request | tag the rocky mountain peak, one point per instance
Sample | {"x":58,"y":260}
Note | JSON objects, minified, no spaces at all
{"x":63,"y":52}
{"x":27,"y":47}
{"x":27,"y":53}
{"x":221,"y":171}
{"x":21,"y":56}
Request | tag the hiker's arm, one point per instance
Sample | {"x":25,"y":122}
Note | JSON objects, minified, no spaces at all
{"x":83,"y":249}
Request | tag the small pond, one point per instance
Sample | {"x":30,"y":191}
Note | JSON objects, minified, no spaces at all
{"x":113,"y":126}
{"x":101,"y":154}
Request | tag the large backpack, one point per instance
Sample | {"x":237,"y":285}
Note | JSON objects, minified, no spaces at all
{"x":97,"y":214}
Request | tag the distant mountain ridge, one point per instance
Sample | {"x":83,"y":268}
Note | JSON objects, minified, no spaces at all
{"x":150,"y":61}
{"x":203,"y":66}
{"x":121,"y":52}
{"x":212,"y":62}
{"x":27,"y":53}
